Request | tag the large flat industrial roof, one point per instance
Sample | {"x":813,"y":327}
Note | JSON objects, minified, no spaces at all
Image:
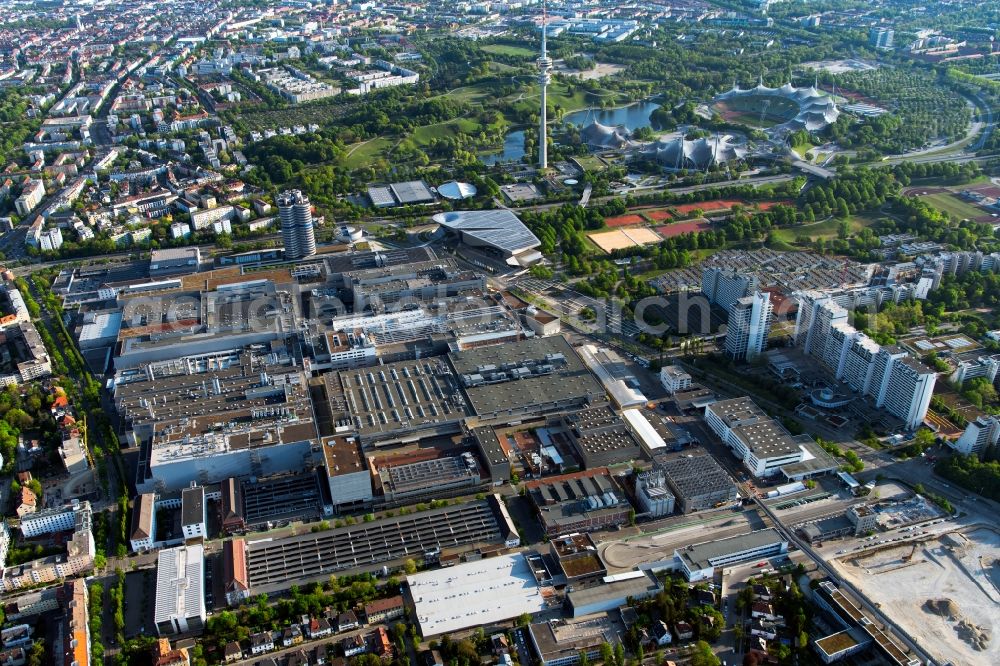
{"x":767,"y":439}
{"x":397,"y":397}
{"x":412,"y":191}
{"x":735,"y":410}
{"x":567,"y":379}
{"x":104,"y":326}
{"x":637,"y":587}
{"x":700,"y":475}
{"x":814,"y":459}
{"x":500,"y":229}
{"x":475,"y":593}
{"x":275,"y":564}
{"x":179,"y":583}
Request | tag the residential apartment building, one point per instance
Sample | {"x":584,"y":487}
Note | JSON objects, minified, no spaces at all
{"x":749,"y":325}
{"x":76,"y":625}
{"x":896,"y":381}
{"x":979,"y":435}
{"x":48,"y":521}
{"x":31,"y":195}
{"x":725,"y":287}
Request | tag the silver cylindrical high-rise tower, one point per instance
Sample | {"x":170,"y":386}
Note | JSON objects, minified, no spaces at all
{"x":297,"y":233}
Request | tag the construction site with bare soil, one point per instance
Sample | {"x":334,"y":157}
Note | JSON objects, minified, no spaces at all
{"x":944,"y":591}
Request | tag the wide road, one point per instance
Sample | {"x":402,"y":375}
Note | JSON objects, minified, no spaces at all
{"x":755,"y":181}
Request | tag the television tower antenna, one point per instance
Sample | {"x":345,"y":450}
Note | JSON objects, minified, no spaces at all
{"x":544,"y":77}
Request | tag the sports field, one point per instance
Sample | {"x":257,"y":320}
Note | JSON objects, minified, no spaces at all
{"x":609,"y":241}
{"x":689,"y":226}
{"x":716,"y":204}
{"x":954,"y":206}
{"x":623,"y":220}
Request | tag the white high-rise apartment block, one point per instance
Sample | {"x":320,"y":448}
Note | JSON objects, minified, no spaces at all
{"x":51,"y":240}
{"x":897,"y":382}
{"x":979,"y":435}
{"x":749,"y":325}
{"x":908,"y":391}
{"x":297,"y":233}
{"x":725,"y":287}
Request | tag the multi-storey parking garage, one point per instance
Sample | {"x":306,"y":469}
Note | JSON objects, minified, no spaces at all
{"x":274,"y":565}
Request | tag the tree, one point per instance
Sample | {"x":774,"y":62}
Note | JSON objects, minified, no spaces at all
{"x":36,"y":657}
{"x":843,"y":229}
{"x":619,"y":654}
{"x":410,"y":567}
{"x":703,"y":655}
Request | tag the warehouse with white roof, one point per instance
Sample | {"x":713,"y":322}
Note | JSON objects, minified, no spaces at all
{"x":180,"y":590}
{"x":477,"y":593}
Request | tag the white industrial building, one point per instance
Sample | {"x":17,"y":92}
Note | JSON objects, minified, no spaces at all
{"x":347,"y":472}
{"x":699,"y":561}
{"x":180,"y":590}
{"x":674,"y":379}
{"x":483,"y":592}
{"x":649,"y":439}
{"x":194,"y":515}
{"x":652,"y":493}
{"x":99,"y":329}
{"x":759,"y":441}
{"x":610,"y":368}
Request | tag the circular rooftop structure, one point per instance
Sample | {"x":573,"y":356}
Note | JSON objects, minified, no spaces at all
{"x":791,"y":107}
{"x":827,"y":399}
{"x":456,"y":190}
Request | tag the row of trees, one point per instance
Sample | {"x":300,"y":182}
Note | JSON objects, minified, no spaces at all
{"x":972,"y":473}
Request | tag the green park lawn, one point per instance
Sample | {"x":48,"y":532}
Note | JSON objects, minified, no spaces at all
{"x":508,"y":50}
{"x":422,"y":136}
{"x":591,"y":163}
{"x":474,"y":93}
{"x":827,"y":229}
{"x":366,"y":152}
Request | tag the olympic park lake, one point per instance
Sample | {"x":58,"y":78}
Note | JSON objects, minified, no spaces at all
{"x":632,"y":117}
